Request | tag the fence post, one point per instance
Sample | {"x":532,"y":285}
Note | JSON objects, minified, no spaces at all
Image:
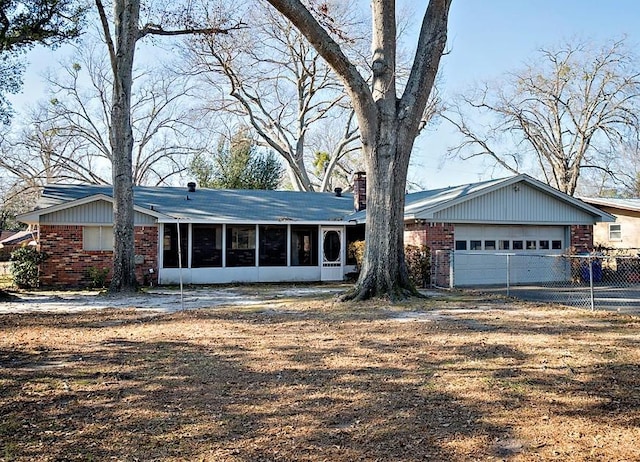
{"x":508,"y":274}
{"x":452,"y":256}
{"x":591,"y":282}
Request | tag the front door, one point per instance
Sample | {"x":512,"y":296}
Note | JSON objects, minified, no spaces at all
{"x":332,"y":254}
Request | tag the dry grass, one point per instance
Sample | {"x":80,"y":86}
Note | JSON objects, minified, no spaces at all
{"x":311,"y":380}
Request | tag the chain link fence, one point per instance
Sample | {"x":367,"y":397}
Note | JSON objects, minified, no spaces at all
{"x":593,"y":281}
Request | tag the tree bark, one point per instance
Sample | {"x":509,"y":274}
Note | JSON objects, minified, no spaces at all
{"x":388,"y":127}
{"x":126,"y":14}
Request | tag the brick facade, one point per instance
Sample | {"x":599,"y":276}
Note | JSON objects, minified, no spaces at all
{"x":436,"y":236}
{"x":68,"y":264}
{"x":582,"y":238}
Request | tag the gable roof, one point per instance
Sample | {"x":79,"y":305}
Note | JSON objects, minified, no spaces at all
{"x":622,"y":204}
{"x":206,"y":205}
{"x":458,"y":204}
{"x":433,"y":204}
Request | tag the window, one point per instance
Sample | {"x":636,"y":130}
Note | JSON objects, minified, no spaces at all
{"x":461,"y":245}
{"x":475,"y":245}
{"x":544,"y":245}
{"x":304,"y":246}
{"x":489,"y":245}
{"x":531,"y":245}
{"x":503,"y":245}
{"x":241,"y":245}
{"x":97,"y":238}
{"x":273,"y":246}
{"x":615,"y":232}
{"x":556,"y":245}
{"x":206,"y":249}
{"x":517,"y":245}
{"x":170,"y":246}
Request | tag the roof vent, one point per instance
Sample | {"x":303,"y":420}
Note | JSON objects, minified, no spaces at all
{"x":338,"y":192}
{"x":191,"y":186}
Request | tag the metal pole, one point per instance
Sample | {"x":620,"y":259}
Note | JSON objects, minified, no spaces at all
{"x":180,"y":265}
{"x":508,"y":274}
{"x":593,"y":306}
{"x":452,"y":261}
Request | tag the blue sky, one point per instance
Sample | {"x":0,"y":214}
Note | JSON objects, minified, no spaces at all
{"x":486,"y":39}
{"x":490,"y":37}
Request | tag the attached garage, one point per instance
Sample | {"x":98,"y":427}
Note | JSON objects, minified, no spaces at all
{"x":484,"y":252}
{"x":477,"y":230}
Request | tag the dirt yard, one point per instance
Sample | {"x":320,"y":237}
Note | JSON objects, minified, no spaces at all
{"x":303,"y":378}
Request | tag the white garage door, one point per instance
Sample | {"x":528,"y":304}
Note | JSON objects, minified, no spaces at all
{"x":480,"y":256}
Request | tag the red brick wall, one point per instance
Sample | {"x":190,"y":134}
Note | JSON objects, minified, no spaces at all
{"x":415,"y":234}
{"x":68,"y":264}
{"x":582,"y":238}
{"x":436,"y":236}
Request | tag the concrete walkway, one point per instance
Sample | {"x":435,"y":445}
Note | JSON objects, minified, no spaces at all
{"x":160,"y":299}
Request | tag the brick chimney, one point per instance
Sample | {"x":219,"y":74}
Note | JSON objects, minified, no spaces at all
{"x":360,"y":191}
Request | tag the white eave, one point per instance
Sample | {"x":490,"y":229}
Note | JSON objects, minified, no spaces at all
{"x":620,"y":204}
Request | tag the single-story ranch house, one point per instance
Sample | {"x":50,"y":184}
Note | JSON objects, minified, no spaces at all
{"x":203,"y":236}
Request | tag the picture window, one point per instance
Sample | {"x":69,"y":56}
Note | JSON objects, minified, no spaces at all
{"x":98,"y":238}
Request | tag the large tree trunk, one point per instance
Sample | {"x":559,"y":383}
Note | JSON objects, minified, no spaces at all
{"x":388,"y":127}
{"x":126,"y":13}
{"x":384,"y":271}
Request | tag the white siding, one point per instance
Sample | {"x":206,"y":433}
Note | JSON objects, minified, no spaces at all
{"x":98,"y":212}
{"x":517,"y":204}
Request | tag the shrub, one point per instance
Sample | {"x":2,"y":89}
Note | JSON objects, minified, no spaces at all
{"x":418,"y":260}
{"x":97,"y":277}
{"x":356,"y":250}
{"x":24,"y":266}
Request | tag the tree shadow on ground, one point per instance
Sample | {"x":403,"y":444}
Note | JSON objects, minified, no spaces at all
{"x":260,"y":389}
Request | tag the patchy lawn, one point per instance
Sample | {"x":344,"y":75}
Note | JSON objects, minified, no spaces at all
{"x":308,"y":379}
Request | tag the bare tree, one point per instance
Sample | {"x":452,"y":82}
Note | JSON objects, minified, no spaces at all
{"x":388,"y":125}
{"x":566,"y":110}
{"x":280,"y":85}
{"x":39,"y":155}
{"x":79,"y":110}
{"x":121,"y":44}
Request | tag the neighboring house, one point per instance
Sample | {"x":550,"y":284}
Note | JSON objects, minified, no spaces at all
{"x":624,"y":233}
{"x":204,"y":236}
{"x":12,"y":240}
